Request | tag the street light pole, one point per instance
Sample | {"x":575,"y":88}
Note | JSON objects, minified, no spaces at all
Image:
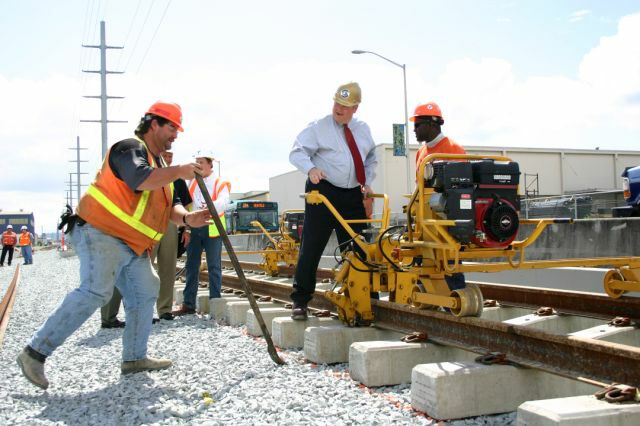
{"x":406,"y":112}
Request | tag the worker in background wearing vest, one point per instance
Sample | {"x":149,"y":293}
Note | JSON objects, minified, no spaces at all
{"x":25,"y":240}
{"x":205,"y":238}
{"x":427,"y":121}
{"x":9,"y":240}
{"x":165,"y":252}
{"x":123,"y":214}
{"x":337,"y":153}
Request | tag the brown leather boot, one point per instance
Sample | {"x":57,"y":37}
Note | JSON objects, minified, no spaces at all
{"x":183,"y":310}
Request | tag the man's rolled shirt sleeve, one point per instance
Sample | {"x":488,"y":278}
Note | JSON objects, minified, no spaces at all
{"x":304,"y":147}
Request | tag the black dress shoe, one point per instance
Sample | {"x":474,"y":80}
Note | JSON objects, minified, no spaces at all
{"x":114,"y":324}
{"x":167,"y":316}
{"x":155,"y":320}
{"x":299,"y":313}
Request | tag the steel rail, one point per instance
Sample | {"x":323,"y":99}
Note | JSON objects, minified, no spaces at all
{"x":592,"y":305}
{"x":278,"y":291}
{"x":285,"y":271}
{"x":6,"y":305}
{"x":569,"y":356}
{"x":563,"y":355}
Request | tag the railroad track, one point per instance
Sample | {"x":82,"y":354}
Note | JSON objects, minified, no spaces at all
{"x":6,"y":305}
{"x":594,"y":361}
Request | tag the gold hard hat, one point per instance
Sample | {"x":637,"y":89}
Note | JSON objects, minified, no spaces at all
{"x":348,"y":94}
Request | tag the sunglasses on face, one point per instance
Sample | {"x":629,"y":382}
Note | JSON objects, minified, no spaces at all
{"x":419,"y":123}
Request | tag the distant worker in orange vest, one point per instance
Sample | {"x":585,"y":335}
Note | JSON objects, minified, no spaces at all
{"x":205,"y":238}
{"x":26,"y":245}
{"x":9,"y":240}
{"x":123,"y":214}
{"x":427,"y":121}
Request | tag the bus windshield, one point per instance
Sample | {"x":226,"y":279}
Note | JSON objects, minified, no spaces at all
{"x":265,"y":217}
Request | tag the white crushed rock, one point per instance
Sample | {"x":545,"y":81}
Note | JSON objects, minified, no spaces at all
{"x":219,"y":376}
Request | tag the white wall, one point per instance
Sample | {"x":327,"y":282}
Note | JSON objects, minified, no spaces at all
{"x":559,"y":171}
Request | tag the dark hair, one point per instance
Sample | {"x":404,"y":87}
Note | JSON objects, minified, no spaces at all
{"x":145,"y":123}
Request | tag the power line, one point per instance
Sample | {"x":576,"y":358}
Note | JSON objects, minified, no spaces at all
{"x":135,"y":45}
{"x":88,"y":13}
{"x":154,"y":36}
{"x":126,"y":39}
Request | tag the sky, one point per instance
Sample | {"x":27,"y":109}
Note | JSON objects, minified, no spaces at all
{"x":251,"y":75}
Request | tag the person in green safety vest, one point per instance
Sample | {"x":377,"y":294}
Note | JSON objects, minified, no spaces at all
{"x":205,"y":238}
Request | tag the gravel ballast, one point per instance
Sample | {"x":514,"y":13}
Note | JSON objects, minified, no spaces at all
{"x":220,"y":374}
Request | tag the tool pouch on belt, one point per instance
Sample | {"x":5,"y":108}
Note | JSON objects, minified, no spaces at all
{"x":68,"y":219}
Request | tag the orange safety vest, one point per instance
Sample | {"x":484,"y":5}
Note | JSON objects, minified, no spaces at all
{"x":8,"y":238}
{"x":218,"y":186}
{"x":137,"y":218}
{"x":25,"y":239}
{"x":445,"y":146}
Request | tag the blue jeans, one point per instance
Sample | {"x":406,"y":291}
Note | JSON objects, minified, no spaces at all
{"x":200,"y":240}
{"x":27,"y":254}
{"x":103,"y":258}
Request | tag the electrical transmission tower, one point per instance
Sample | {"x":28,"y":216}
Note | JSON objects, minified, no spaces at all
{"x":78,"y":173}
{"x":103,"y":87}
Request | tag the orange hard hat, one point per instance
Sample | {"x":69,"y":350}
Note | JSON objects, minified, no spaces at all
{"x":430,"y":109}
{"x":171,"y":112}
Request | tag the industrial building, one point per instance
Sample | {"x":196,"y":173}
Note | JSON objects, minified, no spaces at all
{"x":544,"y":173}
{"x":17,"y":219}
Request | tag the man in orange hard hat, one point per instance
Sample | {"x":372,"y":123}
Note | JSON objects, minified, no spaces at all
{"x":123,"y":214}
{"x":427,"y":121}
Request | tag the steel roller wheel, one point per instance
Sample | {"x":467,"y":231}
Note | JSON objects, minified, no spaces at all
{"x":611,"y":276}
{"x":419,"y":288}
{"x":471,"y":301}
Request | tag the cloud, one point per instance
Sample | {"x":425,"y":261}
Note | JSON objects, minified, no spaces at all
{"x":579,"y":15}
{"x":250,"y":116}
{"x":485,"y":103}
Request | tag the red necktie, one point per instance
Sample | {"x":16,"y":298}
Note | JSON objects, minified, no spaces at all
{"x":355,"y":154}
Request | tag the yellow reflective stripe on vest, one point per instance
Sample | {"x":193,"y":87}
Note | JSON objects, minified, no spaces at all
{"x":213,"y":229}
{"x":142,"y":205}
{"x":132,"y":221}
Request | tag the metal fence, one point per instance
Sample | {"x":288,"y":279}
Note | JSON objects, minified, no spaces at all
{"x":576,"y":206}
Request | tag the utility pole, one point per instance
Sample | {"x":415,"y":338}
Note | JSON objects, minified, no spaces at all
{"x":103,"y":87}
{"x":70,"y":190}
{"x":78,"y":161}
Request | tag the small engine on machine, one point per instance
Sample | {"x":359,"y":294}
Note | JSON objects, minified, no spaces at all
{"x":294,"y":224}
{"x":481,"y":195}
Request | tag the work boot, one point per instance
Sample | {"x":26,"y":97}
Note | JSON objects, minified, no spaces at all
{"x":146,"y":364}
{"x":183,"y":310}
{"x":299,"y":313}
{"x":116,"y":323}
{"x":32,"y":369}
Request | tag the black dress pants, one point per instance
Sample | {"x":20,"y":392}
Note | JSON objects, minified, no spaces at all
{"x":6,"y":249}
{"x":318,"y":224}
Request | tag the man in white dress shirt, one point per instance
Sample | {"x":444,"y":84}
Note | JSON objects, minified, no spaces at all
{"x":337,"y":153}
